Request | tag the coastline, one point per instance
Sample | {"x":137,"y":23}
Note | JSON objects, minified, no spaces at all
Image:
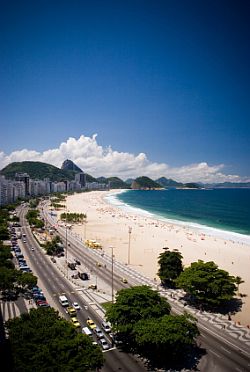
{"x":109,"y":224}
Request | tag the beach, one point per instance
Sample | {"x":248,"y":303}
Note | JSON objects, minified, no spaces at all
{"x":137,"y":238}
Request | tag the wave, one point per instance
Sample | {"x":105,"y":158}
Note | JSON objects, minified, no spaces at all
{"x":200,"y":228}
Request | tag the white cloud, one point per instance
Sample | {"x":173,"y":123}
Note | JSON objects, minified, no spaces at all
{"x":99,"y":161}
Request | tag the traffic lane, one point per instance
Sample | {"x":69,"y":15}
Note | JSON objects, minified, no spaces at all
{"x":116,"y":360}
{"x":102,"y":272}
{"x":220,"y":356}
{"x":225,"y":355}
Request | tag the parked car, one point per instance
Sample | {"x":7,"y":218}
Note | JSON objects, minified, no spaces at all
{"x":106,"y":327}
{"x":98,"y":332}
{"x":104,"y":344}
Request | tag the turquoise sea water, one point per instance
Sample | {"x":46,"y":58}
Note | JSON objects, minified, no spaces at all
{"x":225,"y":209}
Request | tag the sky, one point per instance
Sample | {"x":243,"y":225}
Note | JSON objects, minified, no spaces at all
{"x":128,"y":88}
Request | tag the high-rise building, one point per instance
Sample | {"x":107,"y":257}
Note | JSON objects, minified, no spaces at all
{"x":81,"y":179}
{"x":24,"y":177}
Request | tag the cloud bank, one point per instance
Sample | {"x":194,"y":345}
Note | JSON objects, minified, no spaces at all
{"x":99,"y":161}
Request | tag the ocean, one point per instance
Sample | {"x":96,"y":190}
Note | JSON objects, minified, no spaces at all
{"x":219,"y":209}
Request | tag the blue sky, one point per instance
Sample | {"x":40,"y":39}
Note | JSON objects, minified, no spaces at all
{"x":169,"y":79}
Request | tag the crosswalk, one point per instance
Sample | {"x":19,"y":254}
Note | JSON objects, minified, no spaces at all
{"x":9,"y":310}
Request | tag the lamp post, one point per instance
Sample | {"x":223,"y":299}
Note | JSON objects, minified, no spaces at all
{"x":129,"y":236}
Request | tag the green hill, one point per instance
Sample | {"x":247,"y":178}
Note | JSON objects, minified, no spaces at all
{"x":117,"y":183}
{"x":168,"y":182}
{"x":145,"y":183}
{"x":37,"y":170}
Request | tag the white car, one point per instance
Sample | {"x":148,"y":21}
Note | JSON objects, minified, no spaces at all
{"x":104,"y":344}
{"x":76,"y":306}
{"x":98,"y":332}
{"x":106,"y":327}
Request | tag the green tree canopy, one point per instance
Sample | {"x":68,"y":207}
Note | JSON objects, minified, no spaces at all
{"x":54,"y":246}
{"x":170,"y":267}
{"x":42,"y":341}
{"x":167,"y":339}
{"x":207,"y":284}
{"x":7,"y":278}
{"x":134,"y":304}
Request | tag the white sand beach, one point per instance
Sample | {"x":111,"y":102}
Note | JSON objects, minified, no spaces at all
{"x":110,"y":225}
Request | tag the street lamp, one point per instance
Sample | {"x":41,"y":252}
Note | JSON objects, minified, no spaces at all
{"x":129,"y":236}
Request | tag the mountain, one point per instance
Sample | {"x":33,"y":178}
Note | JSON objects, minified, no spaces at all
{"x":129,"y":181}
{"x":144,"y":183}
{"x":102,"y":180}
{"x":168,"y":182}
{"x":71,"y":166}
{"x":233,"y":185}
{"x":117,"y":183}
{"x":37,"y":170}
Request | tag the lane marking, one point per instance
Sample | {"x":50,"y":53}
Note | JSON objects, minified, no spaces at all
{"x":227,"y":351}
{"x":213,"y":352}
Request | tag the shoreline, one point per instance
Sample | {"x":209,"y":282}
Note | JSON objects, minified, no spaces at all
{"x":109,"y":224}
{"x":201,"y":228}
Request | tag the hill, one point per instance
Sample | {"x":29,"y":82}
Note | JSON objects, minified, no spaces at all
{"x":37,"y":170}
{"x":117,"y":183}
{"x":144,"y":183}
{"x":168,"y":182}
{"x":71,"y":166}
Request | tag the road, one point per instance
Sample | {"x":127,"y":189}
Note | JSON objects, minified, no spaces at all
{"x":55,"y":284}
{"x":223,"y":352}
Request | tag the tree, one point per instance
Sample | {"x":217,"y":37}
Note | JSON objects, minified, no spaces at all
{"x":134,"y":304}
{"x":7,"y":278}
{"x":207,"y":284}
{"x":42,"y":341}
{"x":53,"y":247}
{"x":26,"y":280}
{"x":170,"y":267}
{"x":166,"y":340}
{"x":238,"y":281}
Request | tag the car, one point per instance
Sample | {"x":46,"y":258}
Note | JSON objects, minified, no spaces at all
{"x":41,"y":303}
{"x":104,"y":344}
{"x":98,"y":332}
{"x":115,"y":338}
{"x":87,"y":331}
{"x":71,"y":311}
{"x":76,"y":306}
{"x":75,"y":322}
{"x":92,"y":286}
{"x":124,"y":280}
{"x":32,"y":248}
{"x":53,"y":259}
{"x":106,"y":327}
{"x":77,"y":261}
{"x":91,"y":324}
{"x":24,"y":241}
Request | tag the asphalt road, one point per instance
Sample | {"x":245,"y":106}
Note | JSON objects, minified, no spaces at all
{"x":56,"y":285}
{"x":223,"y":352}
